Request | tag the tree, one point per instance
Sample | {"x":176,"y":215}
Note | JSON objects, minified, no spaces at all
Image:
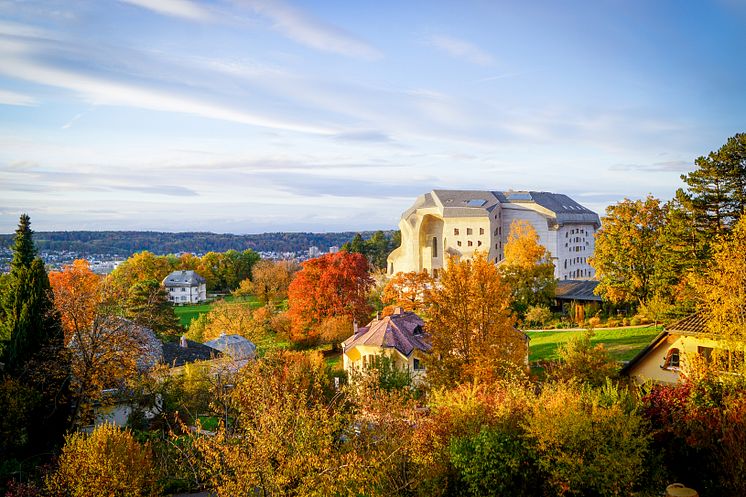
{"x":538,"y":315}
{"x":330,"y":285}
{"x":142,"y":266}
{"x":231,"y":318}
{"x":581,"y":361}
{"x":527,"y":268}
{"x":376,"y":249}
{"x":24,"y":251}
{"x":77,"y":296}
{"x":470,"y":325}
{"x":147,"y":305}
{"x":717,"y":188}
{"x":335,"y":329}
{"x":722,"y":289}
{"x":406,"y":290}
{"x":628,"y":248}
{"x":269,"y":281}
{"x":109,"y":461}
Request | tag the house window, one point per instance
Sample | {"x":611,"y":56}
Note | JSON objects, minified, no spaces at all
{"x":183,"y":289}
{"x":468,"y":231}
{"x":672,"y":359}
{"x":479,"y":243}
{"x":481,"y":231}
{"x":706,"y":353}
{"x":417,"y":365}
{"x":469,"y":243}
{"x":435,"y":246}
{"x":458,"y":243}
{"x":455,"y":231}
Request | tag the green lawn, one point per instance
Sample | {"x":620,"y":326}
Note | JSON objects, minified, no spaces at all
{"x":623,"y":344}
{"x":186,"y":313}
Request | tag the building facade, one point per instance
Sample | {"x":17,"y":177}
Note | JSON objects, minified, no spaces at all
{"x":185,"y":287}
{"x":460,"y":222}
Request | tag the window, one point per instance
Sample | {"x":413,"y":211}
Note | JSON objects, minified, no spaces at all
{"x":479,"y":243}
{"x":391,"y":270}
{"x":455,"y":231}
{"x":469,"y":243}
{"x":435,"y":273}
{"x":672,"y":359}
{"x":435,"y":246}
{"x":417,"y":365}
{"x":458,"y":243}
{"x":183,"y":289}
{"x":468,"y":231}
{"x":481,"y":231}
{"x":495,"y":231}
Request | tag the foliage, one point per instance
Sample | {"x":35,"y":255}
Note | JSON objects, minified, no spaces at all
{"x":230,"y":318}
{"x":537,"y":315}
{"x":586,"y":443}
{"x":717,"y":187}
{"x":330,"y":285}
{"x":24,"y":251}
{"x":581,"y":361}
{"x":147,"y":305}
{"x":109,"y":461}
{"x":269,"y":281}
{"x":78,"y":296}
{"x":527,"y":268}
{"x":142,"y":266}
{"x":628,"y":248}
{"x":225,"y":271}
{"x":383,"y":373}
{"x":470,"y":326}
{"x":376,"y":248}
{"x":335,"y":329}
{"x":406,"y":290}
{"x":17,"y":403}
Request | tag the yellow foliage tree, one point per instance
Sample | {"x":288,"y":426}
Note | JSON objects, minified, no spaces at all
{"x":470,"y":324}
{"x":406,"y":290}
{"x":269,"y":281}
{"x":231,"y":318}
{"x":109,"y":461}
{"x":523,"y":248}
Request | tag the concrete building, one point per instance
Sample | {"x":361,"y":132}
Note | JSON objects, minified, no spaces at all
{"x":460,"y":222}
{"x":185,"y":287}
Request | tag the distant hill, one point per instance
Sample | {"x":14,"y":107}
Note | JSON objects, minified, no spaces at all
{"x":126,"y":243}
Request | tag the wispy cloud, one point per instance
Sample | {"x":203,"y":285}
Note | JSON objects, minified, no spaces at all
{"x":310,"y":31}
{"x":462,"y":49}
{"x":69,"y":123}
{"x":666,"y":166}
{"x":185,"y":9}
{"x":13,"y":98}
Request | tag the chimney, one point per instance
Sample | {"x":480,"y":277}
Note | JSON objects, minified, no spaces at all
{"x":183,"y":342}
{"x":397,"y":310}
{"x":378,"y":315}
{"x":354,"y":327}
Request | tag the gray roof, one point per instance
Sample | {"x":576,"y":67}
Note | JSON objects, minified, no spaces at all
{"x":477,"y":203}
{"x":175,"y":355}
{"x":185,"y":278}
{"x":402,"y":331}
{"x":234,"y":346}
{"x":576,"y":290}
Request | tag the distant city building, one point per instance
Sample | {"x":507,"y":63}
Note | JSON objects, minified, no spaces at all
{"x":185,"y":287}
{"x":313,"y":252}
{"x":460,"y":222}
{"x":333,"y":249}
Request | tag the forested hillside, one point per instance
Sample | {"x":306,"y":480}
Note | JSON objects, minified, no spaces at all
{"x":125,"y":243}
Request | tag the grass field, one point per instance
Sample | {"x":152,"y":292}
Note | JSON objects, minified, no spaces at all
{"x":186,"y":313}
{"x":622,"y":343}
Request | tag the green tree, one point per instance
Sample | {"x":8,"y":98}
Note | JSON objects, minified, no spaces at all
{"x":24,"y":251}
{"x":148,"y":305}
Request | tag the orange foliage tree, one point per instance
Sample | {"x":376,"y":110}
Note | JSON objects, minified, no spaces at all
{"x":330,"y":285}
{"x":76,"y":295}
{"x":406,"y":290}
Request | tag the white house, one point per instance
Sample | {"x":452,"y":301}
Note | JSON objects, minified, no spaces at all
{"x":460,"y":222}
{"x":185,"y":287}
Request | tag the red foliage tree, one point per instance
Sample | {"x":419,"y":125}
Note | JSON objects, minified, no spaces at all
{"x":332,"y":285}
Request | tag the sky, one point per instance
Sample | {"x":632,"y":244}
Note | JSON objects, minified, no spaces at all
{"x":251,"y":116}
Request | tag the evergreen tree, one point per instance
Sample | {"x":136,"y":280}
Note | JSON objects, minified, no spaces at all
{"x":148,"y":305}
{"x":23,"y":249}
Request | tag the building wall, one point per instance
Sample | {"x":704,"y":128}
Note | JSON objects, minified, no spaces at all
{"x":187,"y":295}
{"x":359,"y":356}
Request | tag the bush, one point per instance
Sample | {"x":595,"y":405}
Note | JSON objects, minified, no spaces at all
{"x":109,"y":461}
{"x":625,"y":322}
{"x":585,"y":444}
{"x":612,"y":323}
{"x":538,"y":315}
{"x":581,"y":361}
{"x":635,"y":321}
{"x":594,"y":322}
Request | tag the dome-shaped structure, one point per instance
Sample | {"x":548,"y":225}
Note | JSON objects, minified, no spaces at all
{"x":236,"y":347}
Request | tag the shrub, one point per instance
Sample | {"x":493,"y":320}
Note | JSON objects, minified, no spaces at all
{"x":625,"y":322}
{"x":635,"y":321}
{"x":594,"y":322}
{"x":612,"y":323}
{"x":586,"y":445}
{"x":109,"y":461}
{"x":580,"y":360}
{"x":538,"y":315}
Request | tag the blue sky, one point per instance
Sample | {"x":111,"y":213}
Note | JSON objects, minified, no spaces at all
{"x":248,"y":116}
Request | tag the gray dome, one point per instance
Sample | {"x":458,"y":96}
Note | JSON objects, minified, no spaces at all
{"x":235,"y":346}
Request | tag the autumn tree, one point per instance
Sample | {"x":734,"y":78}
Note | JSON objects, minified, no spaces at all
{"x":330,"y":285}
{"x":269,"y":281}
{"x":230,"y":318}
{"x":722,"y":288}
{"x":628,"y":251}
{"x":225,"y":271}
{"x":77,"y":296}
{"x":527,"y":268}
{"x":140,"y":267}
{"x":583,"y":361}
{"x":406,"y":290}
{"x":470,"y":324}
{"x":335,"y":330}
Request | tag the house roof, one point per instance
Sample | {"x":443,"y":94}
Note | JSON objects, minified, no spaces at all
{"x":185,"y":278}
{"x":402,"y":331}
{"x":695,"y":324}
{"x":175,"y":355}
{"x":234,"y":346}
{"x":480,"y":203}
{"x":576,"y":290}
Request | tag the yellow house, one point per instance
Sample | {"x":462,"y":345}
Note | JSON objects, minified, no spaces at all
{"x":400,"y":336}
{"x":674,"y":349}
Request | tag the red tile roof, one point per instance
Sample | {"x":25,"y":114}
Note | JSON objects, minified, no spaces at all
{"x":402,"y":331}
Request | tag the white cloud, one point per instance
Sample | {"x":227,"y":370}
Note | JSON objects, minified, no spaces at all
{"x":13,"y":98}
{"x":304,"y":28}
{"x":462,"y":49}
{"x":175,"y":8}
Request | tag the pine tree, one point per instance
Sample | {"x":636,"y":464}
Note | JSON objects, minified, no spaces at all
{"x":24,"y":251}
{"x":148,"y":305}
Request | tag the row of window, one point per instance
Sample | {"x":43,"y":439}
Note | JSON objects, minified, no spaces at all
{"x":469,"y":231}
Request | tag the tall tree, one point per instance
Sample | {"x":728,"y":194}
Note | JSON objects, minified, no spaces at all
{"x":269,"y":281}
{"x":406,"y":290}
{"x":628,"y":248}
{"x":470,"y":324}
{"x":148,"y":305}
{"x":330,"y":285}
{"x":24,"y":251}
{"x":527,"y":268}
{"x":77,"y":296}
{"x":717,"y":187}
